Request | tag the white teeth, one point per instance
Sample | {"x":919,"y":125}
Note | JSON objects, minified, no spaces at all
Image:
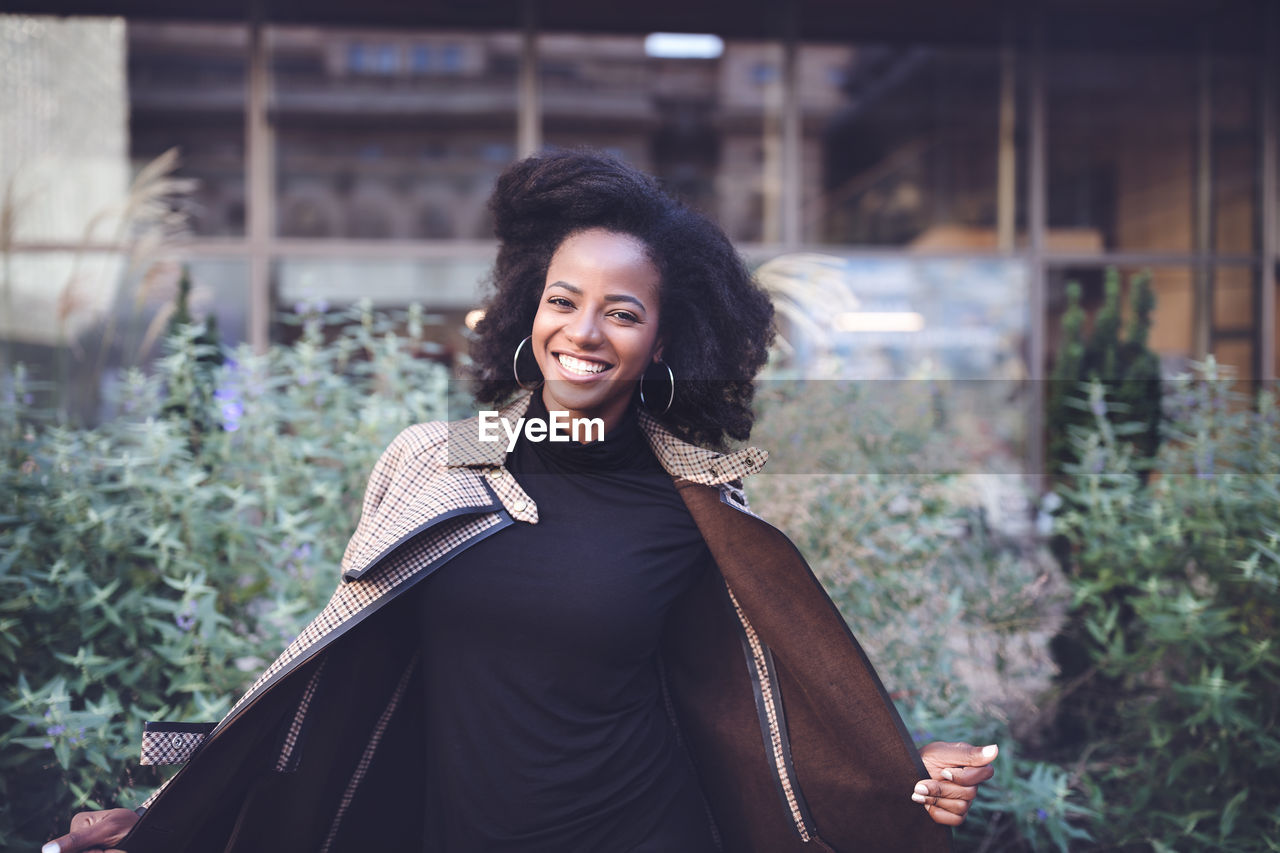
{"x":577,"y":365}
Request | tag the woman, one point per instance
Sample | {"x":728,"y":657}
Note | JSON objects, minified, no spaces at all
{"x":578,"y":645}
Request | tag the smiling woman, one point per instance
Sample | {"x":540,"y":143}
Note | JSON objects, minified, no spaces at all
{"x":596,"y":330}
{"x":560,"y":646}
{"x":605,"y":224}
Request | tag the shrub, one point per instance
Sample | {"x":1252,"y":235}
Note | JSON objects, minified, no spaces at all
{"x":1177,"y":589}
{"x":153,"y":565}
{"x":1124,"y":362}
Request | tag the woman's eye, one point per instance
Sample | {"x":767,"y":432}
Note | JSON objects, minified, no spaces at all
{"x":626,"y":316}
{"x":560,"y":301}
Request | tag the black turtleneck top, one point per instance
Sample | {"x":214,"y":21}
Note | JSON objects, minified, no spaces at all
{"x":546,"y":726}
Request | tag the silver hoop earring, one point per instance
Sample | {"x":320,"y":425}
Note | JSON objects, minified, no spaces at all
{"x":671,"y":397}
{"x":515,"y":366}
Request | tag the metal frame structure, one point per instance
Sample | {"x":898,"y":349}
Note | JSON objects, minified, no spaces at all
{"x":1023,"y":50}
{"x":1269,"y":98}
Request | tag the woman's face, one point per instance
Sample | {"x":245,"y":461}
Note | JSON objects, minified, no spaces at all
{"x":596,"y":329}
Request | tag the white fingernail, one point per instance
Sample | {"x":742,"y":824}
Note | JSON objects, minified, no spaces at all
{"x":946,"y":774}
{"x":919,"y":798}
{"x":922,"y":788}
{"x":51,"y":847}
{"x":990,"y":751}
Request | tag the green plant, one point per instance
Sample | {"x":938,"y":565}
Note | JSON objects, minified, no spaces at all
{"x":147,"y":575}
{"x":1177,"y":592}
{"x":1128,"y":367}
{"x":192,"y":387}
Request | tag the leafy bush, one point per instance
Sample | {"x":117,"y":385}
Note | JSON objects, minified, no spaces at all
{"x":912,"y":549}
{"x":1124,"y":361}
{"x":1177,"y":590}
{"x":153,"y":565}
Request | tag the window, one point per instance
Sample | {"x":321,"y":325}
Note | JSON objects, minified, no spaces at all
{"x":363,"y":58}
{"x":379,"y":155}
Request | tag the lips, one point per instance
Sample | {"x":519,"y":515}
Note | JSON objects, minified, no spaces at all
{"x":577,"y":367}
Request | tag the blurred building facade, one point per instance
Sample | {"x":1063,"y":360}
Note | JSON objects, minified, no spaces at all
{"x":957,"y":169}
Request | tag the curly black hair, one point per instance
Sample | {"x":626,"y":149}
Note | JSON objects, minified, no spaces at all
{"x":716,"y":321}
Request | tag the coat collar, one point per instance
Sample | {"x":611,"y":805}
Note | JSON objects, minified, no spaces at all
{"x":679,"y":458}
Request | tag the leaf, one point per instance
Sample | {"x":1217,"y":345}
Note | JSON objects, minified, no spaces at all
{"x":100,"y":595}
{"x":1229,"y":813}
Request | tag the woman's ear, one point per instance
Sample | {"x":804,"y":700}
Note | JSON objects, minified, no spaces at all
{"x":657,"y":350}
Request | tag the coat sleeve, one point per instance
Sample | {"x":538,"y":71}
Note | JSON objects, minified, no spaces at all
{"x":836,"y":741}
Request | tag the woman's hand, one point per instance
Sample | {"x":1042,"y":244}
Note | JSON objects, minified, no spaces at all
{"x":955,"y":772}
{"x":94,"y":832}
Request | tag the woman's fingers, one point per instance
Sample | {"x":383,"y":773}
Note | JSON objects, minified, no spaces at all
{"x":969,"y":776}
{"x":68,"y":843}
{"x":93,"y":831}
{"x":61,"y":844}
{"x":934,"y":790}
{"x":941,"y":754}
{"x":941,"y":799}
{"x":943,"y":816}
{"x":956,"y":770}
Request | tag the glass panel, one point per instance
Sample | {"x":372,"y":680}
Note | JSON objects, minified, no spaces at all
{"x":132,"y":334}
{"x":391,"y":134}
{"x":901,"y":146}
{"x":695,"y":123}
{"x":899,"y":318}
{"x":220,"y":288}
{"x":1171,"y":320}
{"x":1121,"y":150}
{"x":187,"y":90}
{"x":81,"y":320}
{"x":1233,"y":300}
{"x":1236,"y":353}
{"x":448,"y":288}
{"x":748,"y":181}
{"x":872,"y":327}
{"x":1235,"y":153}
{"x":51,"y":298}
{"x":64,"y":173}
{"x":41,"y":315}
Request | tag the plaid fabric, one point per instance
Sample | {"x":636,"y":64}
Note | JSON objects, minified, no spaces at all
{"x":697,"y":464}
{"x":172,"y":743}
{"x":286,"y":761}
{"x":409,"y":488}
{"x":433,"y":490}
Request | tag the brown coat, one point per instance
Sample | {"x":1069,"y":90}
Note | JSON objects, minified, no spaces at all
{"x":797,"y":745}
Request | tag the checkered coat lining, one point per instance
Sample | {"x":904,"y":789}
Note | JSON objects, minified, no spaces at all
{"x":442,"y":476}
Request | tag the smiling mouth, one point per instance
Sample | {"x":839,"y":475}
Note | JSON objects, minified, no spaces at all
{"x":581,"y":367}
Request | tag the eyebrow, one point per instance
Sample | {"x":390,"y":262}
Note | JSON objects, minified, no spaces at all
{"x":609,"y":297}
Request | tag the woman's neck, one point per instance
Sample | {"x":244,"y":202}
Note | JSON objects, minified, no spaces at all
{"x":583,"y":426}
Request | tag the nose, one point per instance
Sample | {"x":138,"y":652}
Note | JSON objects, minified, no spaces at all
{"x":584,"y":330}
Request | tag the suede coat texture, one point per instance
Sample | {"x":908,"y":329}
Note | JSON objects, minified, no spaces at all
{"x":797,"y":745}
